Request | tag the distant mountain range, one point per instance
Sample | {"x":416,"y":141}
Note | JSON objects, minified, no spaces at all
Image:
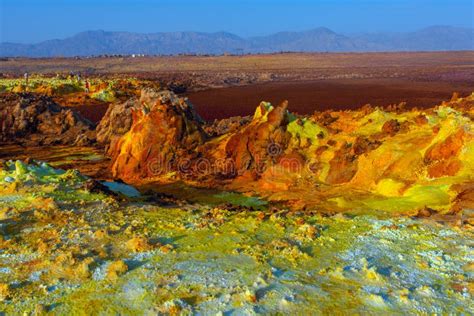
{"x":435,"y":38}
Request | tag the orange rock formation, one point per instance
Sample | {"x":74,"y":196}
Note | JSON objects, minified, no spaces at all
{"x":371,"y":158}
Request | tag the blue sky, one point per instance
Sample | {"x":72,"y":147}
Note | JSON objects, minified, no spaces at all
{"x":36,"y":20}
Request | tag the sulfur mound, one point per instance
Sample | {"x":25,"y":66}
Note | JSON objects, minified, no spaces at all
{"x":260,"y":142}
{"x":164,"y":129}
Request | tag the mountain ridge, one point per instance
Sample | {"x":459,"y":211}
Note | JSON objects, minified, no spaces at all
{"x":321,"y":39}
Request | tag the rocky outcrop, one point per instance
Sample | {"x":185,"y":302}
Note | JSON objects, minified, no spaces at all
{"x":225,"y":126}
{"x":261,"y":142}
{"x":37,"y":120}
{"x":413,"y":156}
{"x":442,"y":157}
{"x":116,"y":122}
{"x":164,"y":129}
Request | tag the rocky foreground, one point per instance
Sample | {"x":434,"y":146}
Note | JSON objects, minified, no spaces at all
{"x":70,"y":245}
{"x":366,"y":211}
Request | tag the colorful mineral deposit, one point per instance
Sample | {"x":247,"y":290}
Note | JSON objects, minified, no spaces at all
{"x":216,"y":158}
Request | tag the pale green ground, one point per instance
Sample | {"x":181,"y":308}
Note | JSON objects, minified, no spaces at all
{"x":233,"y":262}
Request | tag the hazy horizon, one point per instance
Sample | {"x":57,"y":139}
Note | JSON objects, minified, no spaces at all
{"x":243,"y":37}
{"x":54,"y":19}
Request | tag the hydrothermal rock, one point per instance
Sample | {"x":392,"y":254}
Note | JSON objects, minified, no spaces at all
{"x":164,"y":129}
{"x":37,"y":120}
{"x":367,"y":159}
